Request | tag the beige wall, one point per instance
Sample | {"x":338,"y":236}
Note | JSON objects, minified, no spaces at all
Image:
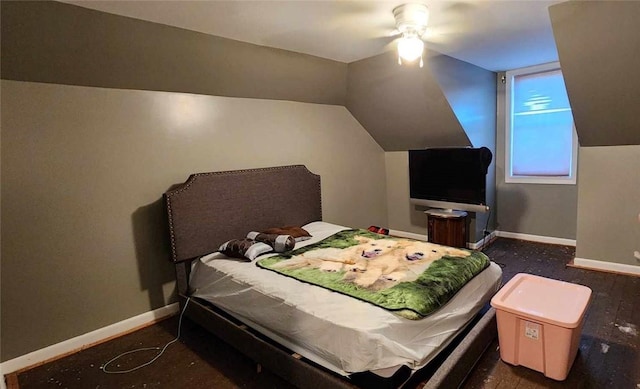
{"x":83,"y":168}
{"x":535,"y":209}
{"x":402,"y":215}
{"x":598,"y":44}
{"x":83,"y":171}
{"x":609,"y":204}
{"x":594,"y":40}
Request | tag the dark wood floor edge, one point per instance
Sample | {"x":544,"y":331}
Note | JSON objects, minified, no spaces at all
{"x":457,"y":366}
{"x":88,"y":345}
{"x":573,"y":265}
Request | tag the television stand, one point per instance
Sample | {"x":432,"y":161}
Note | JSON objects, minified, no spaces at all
{"x":447,"y":227}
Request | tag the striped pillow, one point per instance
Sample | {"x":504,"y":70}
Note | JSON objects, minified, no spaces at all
{"x":244,"y":248}
{"x":280,"y":243}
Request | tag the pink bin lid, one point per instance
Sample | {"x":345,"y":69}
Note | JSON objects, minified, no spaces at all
{"x":542,"y":299}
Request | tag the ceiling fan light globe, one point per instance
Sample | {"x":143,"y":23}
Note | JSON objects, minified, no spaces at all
{"x":410,"y":48}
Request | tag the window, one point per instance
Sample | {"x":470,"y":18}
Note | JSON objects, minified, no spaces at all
{"x":541,"y":141}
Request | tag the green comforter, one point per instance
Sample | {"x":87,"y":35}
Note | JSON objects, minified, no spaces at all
{"x":410,"y":277}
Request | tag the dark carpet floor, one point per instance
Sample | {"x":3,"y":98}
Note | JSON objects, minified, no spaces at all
{"x":609,"y":354}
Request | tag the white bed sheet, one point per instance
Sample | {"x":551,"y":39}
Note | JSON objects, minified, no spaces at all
{"x":338,"y":332}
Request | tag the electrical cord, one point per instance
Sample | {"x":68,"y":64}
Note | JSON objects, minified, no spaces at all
{"x":104,"y":367}
{"x":485,"y":242}
{"x":485,"y":232}
{"x":486,"y":225}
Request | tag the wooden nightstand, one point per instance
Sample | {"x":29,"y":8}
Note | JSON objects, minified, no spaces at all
{"x":448,"y":228}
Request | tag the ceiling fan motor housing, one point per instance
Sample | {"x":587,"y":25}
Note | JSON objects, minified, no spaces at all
{"x":411,"y":18}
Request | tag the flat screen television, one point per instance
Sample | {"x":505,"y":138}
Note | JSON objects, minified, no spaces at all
{"x":450,"y":178}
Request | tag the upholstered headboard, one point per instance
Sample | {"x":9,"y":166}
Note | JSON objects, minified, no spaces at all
{"x":211,"y":208}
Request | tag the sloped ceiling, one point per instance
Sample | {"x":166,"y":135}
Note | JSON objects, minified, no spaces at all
{"x":402,"y":107}
{"x":599,"y":48}
{"x":447,"y":103}
{"x":493,"y":34}
{"x":52,"y":42}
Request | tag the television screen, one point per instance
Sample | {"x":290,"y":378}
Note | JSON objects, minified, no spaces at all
{"x":456,"y":175}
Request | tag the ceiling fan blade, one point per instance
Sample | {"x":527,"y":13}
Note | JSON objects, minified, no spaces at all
{"x":451,"y":19}
{"x":382,"y":40}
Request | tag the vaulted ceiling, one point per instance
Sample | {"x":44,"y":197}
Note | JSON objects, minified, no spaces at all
{"x":92,"y":48}
{"x":598,"y":44}
{"x":493,"y":34}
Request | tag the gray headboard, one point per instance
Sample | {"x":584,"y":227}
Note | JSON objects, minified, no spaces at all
{"x":211,"y":208}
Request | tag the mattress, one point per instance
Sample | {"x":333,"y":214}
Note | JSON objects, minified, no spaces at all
{"x":338,"y":332}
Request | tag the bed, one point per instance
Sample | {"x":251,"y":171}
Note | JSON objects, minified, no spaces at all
{"x":275,"y":320}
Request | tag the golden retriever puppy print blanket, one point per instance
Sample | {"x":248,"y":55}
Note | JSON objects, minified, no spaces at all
{"x":410,"y":277}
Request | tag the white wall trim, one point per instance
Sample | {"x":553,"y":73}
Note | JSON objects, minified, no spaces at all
{"x":606,"y":266}
{"x":3,"y":383}
{"x":90,"y":338}
{"x":492,"y":235}
{"x":410,"y":235}
{"x":482,"y":242}
{"x":536,"y":238}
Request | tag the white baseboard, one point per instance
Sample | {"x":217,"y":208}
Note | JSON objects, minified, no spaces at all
{"x":606,"y":266}
{"x":483,"y":241}
{"x":82,"y":341}
{"x":410,"y":235}
{"x":492,"y":235}
{"x":536,"y":238}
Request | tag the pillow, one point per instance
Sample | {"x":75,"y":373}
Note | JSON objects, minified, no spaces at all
{"x":379,"y":230}
{"x":280,"y":243}
{"x":244,"y":248}
{"x":298,"y":233}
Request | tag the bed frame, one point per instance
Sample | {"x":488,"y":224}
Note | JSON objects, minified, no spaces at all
{"x":211,"y":208}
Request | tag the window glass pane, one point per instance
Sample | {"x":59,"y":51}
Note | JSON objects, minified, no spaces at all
{"x":542,"y":144}
{"x":542,"y":126}
{"x":539,"y":92}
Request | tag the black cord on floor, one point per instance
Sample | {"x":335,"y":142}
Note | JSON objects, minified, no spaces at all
{"x":486,"y":233}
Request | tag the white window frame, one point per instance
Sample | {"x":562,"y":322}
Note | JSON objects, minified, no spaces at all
{"x":508,"y":176}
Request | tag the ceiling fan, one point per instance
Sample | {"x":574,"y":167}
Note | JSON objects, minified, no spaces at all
{"x":411,"y":22}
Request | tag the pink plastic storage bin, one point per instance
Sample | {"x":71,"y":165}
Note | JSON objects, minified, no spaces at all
{"x":539,"y":323}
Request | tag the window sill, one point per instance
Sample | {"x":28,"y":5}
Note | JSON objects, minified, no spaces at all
{"x":540,"y":180}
